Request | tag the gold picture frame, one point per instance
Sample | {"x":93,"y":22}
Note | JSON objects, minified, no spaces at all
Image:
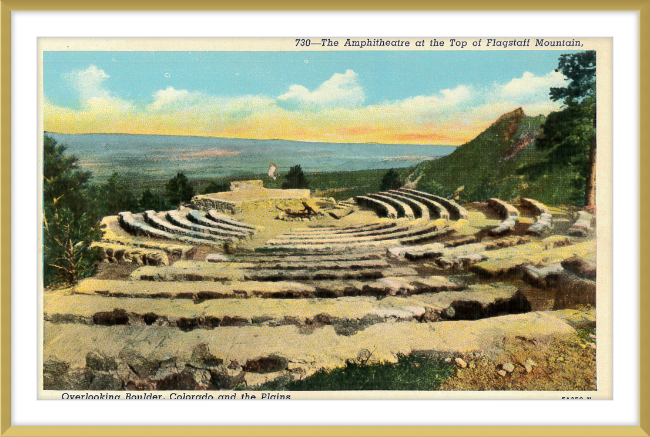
{"x":6,"y":9}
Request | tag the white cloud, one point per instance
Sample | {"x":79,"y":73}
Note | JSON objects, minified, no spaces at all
{"x":89,"y":83}
{"x":341,"y":90}
{"x":530,"y":87}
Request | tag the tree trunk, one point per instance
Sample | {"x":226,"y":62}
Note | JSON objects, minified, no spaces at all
{"x":590,"y":187}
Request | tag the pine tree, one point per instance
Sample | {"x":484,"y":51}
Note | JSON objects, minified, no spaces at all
{"x":69,"y":225}
{"x":571,"y":133}
{"x":178,"y":189}
{"x":295,"y":178}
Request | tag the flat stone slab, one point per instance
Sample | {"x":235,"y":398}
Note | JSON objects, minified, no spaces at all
{"x":503,"y":262}
{"x":193,"y":289}
{"x":146,"y":350}
{"x":481,"y":300}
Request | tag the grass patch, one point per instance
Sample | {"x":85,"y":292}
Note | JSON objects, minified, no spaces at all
{"x":409,"y":373}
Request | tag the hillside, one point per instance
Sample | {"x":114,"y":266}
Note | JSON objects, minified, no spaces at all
{"x":499,"y":163}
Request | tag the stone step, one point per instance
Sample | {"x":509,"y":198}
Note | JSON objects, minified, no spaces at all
{"x":401,"y":281}
{"x":206,"y":271}
{"x":135,"y":227}
{"x":83,"y":357}
{"x":503,"y":261}
{"x":152,"y":219}
{"x":435,"y":208}
{"x":456,"y":212}
{"x":402,"y":208}
{"x":476,"y":302}
{"x":396,"y":233}
{"x":290,"y":237}
{"x":308,"y":258}
{"x":196,"y":217}
{"x":323,"y":265}
{"x":343,"y":229}
{"x":464,"y":255}
{"x":118,"y":253}
{"x":382,"y":208}
{"x":180,"y":250}
{"x":419,"y":209}
{"x":177,"y":219}
{"x":221,"y":218}
{"x":355,"y":245}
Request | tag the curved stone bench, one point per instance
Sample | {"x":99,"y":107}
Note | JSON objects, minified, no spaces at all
{"x":429,"y":227}
{"x":508,"y":212}
{"x":505,"y":209}
{"x":379,"y":206}
{"x":153,"y":220}
{"x":392,"y":230}
{"x":197,"y":218}
{"x":433,"y":206}
{"x":536,"y":205}
{"x":177,"y":219}
{"x":135,"y":227}
{"x":544,"y":220}
{"x":222,"y":219}
{"x":340,"y":231}
{"x":402,"y":208}
{"x":419,"y":209}
{"x":582,"y":226}
{"x":456,"y":211}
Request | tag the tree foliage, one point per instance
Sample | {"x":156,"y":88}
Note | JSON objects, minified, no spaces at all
{"x":295,"y":178}
{"x":216,"y":186}
{"x":149,"y":200}
{"x":178,"y":189}
{"x":114,"y":196}
{"x":69,"y":224}
{"x":391,"y":180}
{"x":571,"y":132}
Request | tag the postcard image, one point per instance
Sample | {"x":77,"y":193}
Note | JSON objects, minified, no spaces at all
{"x":305,"y":218}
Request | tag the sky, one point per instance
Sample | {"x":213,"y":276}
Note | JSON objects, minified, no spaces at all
{"x":396,"y":97}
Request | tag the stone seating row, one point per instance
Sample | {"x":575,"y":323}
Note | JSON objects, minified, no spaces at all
{"x":509,"y":213}
{"x":152,"y":219}
{"x":133,"y":226}
{"x":177,"y":218}
{"x":456,"y":211}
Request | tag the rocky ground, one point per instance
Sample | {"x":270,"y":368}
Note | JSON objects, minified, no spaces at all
{"x":512,"y":311}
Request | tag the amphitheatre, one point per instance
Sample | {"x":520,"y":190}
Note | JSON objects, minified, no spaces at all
{"x":255,"y":285}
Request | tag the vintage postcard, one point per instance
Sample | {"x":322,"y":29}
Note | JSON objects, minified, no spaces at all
{"x":304,"y":218}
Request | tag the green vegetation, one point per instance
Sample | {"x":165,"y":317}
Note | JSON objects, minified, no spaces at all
{"x":391,"y":181}
{"x":150,"y":200}
{"x":178,"y":189}
{"x":550,"y":159}
{"x":411,"y":372}
{"x":295,"y":178}
{"x":216,"y":186}
{"x":69,"y":226}
{"x":571,"y":133}
{"x":112,"y":197}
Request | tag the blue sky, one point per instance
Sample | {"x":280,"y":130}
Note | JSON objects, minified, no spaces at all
{"x":128,"y":83}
